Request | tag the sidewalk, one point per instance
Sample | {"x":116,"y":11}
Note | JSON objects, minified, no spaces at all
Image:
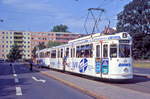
{"x":97,"y":89}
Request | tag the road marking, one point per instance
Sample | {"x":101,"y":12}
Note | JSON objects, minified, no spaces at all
{"x":16,"y":80}
{"x":18,"y":91}
{"x":38,"y":80}
{"x":15,"y":75}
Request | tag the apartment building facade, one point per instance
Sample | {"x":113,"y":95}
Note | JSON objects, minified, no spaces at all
{"x":28,"y":40}
{"x":62,"y":37}
{"x":9,"y":38}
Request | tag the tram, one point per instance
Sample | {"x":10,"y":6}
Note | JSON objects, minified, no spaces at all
{"x":105,"y":56}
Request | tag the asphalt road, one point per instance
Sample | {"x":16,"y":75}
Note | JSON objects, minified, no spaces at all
{"x":18,"y":82}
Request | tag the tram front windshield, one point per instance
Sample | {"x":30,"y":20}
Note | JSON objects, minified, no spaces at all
{"x":124,"y":50}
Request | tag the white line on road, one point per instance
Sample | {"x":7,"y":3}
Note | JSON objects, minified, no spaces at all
{"x":15,"y":75}
{"x":18,"y":91}
{"x":16,"y":80}
{"x":38,"y":80}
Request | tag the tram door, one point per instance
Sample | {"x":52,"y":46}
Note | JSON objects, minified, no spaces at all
{"x":101,"y":61}
{"x":105,"y":59}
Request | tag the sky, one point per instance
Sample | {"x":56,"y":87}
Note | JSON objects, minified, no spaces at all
{"x":42,"y":15}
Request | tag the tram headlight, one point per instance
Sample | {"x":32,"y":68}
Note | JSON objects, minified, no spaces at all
{"x":125,"y":70}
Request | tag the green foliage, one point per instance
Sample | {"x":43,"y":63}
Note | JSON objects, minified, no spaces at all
{"x":34,"y":52}
{"x":53,"y":43}
{"x":135,"y":19}
{"x":15,"y":53}
{"x":41,"y":46}
{"x":60,"y":28}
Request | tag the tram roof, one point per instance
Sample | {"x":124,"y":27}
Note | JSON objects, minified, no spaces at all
{"x":100,"y":36}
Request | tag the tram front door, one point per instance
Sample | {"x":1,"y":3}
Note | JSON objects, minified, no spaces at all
{"x":101,"y":61}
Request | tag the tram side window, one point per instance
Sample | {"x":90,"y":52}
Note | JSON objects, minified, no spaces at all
{"x":73,"y":52}
{"x":105,"y":50}
{"x":98,"y":51}
{"x":77,"y":51}
{"x":67,"y":52}
{"x":113,"y":51}
{"x":124,"y":50}
{"x":53,"y":54}
{"x":84,"y":51}
{"x":47,"y":54}
{"x":41,"y":54}
{"x":58,"y":53}
{"x":61,"y":55}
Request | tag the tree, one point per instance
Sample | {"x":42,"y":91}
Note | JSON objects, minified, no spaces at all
{"x":53,"y":43}
{"x":41,"y":46}
{"x":15,"y":53}
{"x":34,"y":52}
{"x":135,"y":19}
{"x":60,"y":28}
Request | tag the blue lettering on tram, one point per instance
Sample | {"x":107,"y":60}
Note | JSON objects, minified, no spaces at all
{"x":114,"y":37}
{"x":74,"y":64}
{"x":124,"y":64}
{"x":83,"y":65}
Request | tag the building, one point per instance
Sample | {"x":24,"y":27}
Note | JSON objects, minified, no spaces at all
{"x":28,"y":40}
{"x":9,"y":38}
{"x":62,"y":37}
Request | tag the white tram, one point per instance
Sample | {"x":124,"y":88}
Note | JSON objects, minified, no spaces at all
{"x":97,"y":55}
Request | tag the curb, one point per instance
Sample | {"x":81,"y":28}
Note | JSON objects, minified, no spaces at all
{"x":142,"y":75}
{"x":90,"y":93}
